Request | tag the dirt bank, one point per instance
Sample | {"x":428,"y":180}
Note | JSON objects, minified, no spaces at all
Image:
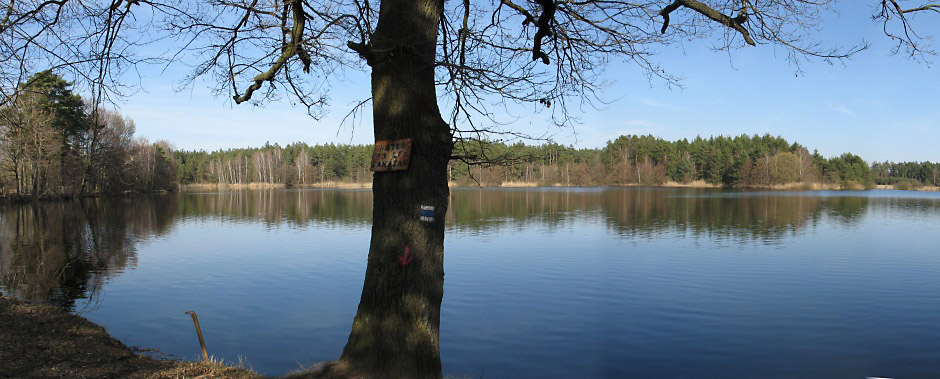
{"x":909,"y":188}
{"x":38,"y":341}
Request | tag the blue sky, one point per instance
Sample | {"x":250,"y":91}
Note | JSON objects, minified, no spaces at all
{"x":877,"y":105}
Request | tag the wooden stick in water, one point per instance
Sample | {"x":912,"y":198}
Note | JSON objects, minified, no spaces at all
{"x":202,"y":342}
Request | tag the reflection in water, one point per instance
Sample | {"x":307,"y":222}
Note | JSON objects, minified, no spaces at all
{"x":649,"y":212}
{"x":297,"y":207}
{"x":60,"y":251}
{"x":633,"y":282}
{"x":767,"y":218}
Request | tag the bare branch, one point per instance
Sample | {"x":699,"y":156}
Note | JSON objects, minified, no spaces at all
{"x":908,"y":39}
{"x":736,"y":23}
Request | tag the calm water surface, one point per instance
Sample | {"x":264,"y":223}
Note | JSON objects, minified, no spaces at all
{"x":540,"y":283}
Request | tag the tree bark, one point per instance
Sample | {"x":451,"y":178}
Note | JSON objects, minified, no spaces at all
{"x":396,"y":329}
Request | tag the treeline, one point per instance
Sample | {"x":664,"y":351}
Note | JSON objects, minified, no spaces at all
{"x":906,"y":175}
{"x":54,"y":144}
{"x":294,"y":164}
{"x":742,"y":161}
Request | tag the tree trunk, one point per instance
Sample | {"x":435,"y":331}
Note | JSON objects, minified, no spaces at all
{"x":396,"y":329}
{"x":90,"y":159}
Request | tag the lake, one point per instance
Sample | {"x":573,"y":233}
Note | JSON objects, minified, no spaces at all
{"x":548,"y":282}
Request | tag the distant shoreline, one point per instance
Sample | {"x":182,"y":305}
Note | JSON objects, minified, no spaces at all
{"x":20,"y":199}
{"x":894,"y":187}
{"x":797,"y":186}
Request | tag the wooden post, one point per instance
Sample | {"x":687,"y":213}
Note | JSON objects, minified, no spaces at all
{"x":202,"y":343}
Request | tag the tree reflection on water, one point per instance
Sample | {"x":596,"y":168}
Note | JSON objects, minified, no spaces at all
{"x":58,"y":252}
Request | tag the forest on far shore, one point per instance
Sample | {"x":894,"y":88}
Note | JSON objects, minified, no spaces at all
{"x":743,"y":161}
{"x":54,"y":145}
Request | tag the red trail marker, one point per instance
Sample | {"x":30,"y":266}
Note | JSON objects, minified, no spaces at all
{"x":406,"y":259}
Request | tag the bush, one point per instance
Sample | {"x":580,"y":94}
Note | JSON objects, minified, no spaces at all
{"x":852,"y":185}
{"x":906,"y":185}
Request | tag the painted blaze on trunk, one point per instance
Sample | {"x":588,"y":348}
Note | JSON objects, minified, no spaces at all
{"x":396,"y":329}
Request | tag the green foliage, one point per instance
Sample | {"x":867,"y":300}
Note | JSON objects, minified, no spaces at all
{"x":743,"y":161}
{"x":54,"y":145}
{"x":911,"y":174}
{"x":730,"y":161}
{"x":55,"y":97}
{"x":117,"y":163}
{"x":849,"y":170}
{"x":41,"y":132}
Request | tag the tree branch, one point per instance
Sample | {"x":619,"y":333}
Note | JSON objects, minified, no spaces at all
{"x":736,"y":23}
{"x":927,"y":7}
{"x":544,"y":25}
{"x":293,"y":47}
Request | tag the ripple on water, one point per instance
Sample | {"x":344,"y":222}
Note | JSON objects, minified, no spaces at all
{"x":600,"y":283}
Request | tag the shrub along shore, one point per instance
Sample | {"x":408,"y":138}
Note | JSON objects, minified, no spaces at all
{"x":792,"y":186}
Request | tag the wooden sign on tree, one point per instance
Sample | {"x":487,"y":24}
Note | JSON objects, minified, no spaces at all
{"x":391,"y":155}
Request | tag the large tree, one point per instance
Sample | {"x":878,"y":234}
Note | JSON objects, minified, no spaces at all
{"x":37,"y":130}
{"x":478,"y":59}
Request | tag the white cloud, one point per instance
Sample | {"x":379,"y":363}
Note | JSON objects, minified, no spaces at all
{"x":839,"y":108}
{"x":652,"y":103}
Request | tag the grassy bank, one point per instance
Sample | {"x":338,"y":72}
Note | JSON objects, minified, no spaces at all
{"x":794,"y":186}
{"x":218,"y":186}
{"x":215,"y":186}
{"x":521,"y":184}
{"x":801,"y":186}
{"x":806,"y":186}
{"x":907,"y":187}
{"x":38,"y":341}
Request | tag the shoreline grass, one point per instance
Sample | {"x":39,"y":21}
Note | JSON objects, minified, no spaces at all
{"x":794,"y":186}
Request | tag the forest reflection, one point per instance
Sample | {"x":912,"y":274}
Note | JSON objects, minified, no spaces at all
{"x":300,"y":207}
{"x":57,"y":252}
{"x":649,"y":212}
